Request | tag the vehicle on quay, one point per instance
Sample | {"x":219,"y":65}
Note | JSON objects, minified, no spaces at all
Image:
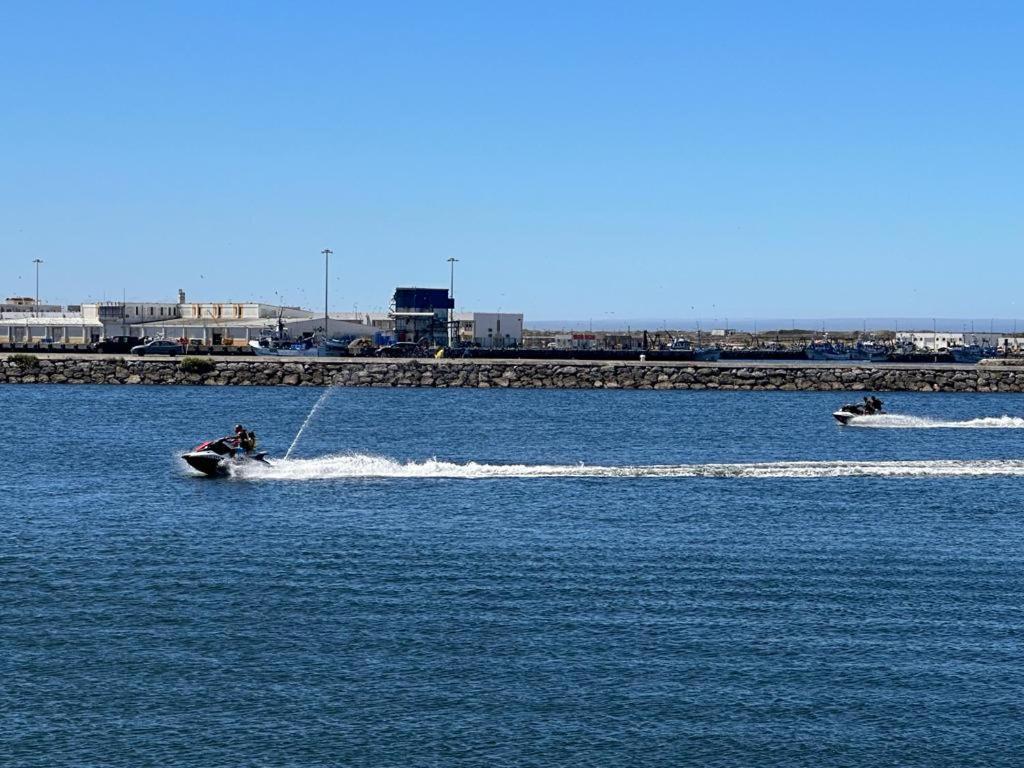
{"x":216,"y":458}
{"x":159,"y":347}
{"x":116,"y":345}
{"x":401,"y":349}
{"x":871,"y":406}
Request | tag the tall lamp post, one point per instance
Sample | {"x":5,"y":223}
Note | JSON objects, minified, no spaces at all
{"x":327,"y":256}
{"x":453,"y":325}
{"x":37,"y":262}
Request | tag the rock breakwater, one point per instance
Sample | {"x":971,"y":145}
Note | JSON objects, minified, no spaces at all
{"x":364,"y":372}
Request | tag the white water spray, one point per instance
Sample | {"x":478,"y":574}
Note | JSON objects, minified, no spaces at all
{"x":897,"y":421}
{"x":361,"y":466}
{"x":316,"y":407}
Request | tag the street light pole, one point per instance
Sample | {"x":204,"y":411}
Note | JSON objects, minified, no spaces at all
{"x":453,"y":325}
{"x":37,"y":262}
{"x":327,"y":256}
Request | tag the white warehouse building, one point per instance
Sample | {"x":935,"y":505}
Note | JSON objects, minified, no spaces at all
{"x":490,"y":330}
{"x":936,"y":341}
{"x":213,"y":323}
{"x":239,"y":332}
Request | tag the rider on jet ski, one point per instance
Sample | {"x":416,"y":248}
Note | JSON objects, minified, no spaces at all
{"x":244,"y":439}
{"x":215,"y":457}
{"x":871,"y":406}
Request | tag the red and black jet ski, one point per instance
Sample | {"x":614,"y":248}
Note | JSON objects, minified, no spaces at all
{"x":214,"y":458}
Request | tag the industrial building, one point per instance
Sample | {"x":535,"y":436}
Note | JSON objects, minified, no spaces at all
{"x":216,"y":323}
{"x":55,"y":328}
{"x":492,"y":330}
{"x":422,"y":315}
{"x":937,"y":341}
{"x":26,"y":305}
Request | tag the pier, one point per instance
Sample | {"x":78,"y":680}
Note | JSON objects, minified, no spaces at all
{"x":483,"y":374}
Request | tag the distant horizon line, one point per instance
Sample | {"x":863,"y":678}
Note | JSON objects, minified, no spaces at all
{"x":768,"y":324}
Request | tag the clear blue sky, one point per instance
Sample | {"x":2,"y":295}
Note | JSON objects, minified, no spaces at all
{"x":580,"y":158}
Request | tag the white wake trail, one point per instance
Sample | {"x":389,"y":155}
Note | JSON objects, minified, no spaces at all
{"x":898,"y":421}
{"x":364,"y":466}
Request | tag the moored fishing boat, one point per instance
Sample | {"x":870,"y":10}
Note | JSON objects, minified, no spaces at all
{"x":698,"y":352}
{"x":871,"y":351}
{"x":826,"y":350}
{"x":972,"y":353}
{"x":280,"y":344}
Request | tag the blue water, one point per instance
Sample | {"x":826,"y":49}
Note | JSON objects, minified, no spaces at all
{"x":497,"y":577}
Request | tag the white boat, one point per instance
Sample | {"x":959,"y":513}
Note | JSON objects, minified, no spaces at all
{"x":280,"y":344}
{"x":293,"y":349}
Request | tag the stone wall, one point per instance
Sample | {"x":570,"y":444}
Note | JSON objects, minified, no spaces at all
{"x":356,"y":372}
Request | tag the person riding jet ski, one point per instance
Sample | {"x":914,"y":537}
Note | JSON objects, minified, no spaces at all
{"x":215,"y":457}
{"x":870,"y":407}
{"x":244,"y":439}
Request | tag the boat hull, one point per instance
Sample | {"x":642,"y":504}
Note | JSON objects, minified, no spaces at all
{"x":294,"y":351}
{"x":966,"y":356}
{"x":843,"y":417}
{"x":219,"y":465}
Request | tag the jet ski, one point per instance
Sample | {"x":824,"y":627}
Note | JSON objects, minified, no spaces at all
{"x":214,"y":458}
{"x":870,"y":407}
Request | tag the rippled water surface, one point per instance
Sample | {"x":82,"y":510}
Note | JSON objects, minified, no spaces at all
{"x":511,"y":577}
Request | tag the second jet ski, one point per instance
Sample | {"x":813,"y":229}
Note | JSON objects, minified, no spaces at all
{"x":871,"y":406}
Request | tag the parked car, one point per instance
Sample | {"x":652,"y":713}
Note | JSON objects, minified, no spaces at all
{"x":117,"y":345}
{"x":401,"y":349}
{"x":159,"y":347}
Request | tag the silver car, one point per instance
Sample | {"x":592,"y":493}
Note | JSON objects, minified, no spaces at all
{"x":159,"y":347}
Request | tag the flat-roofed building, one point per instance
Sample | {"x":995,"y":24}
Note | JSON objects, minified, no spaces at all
{"x":497,"y":330}
{"x":381,"y":321}
{"x":60,"y":329}
{"x":28,"y":306}
{"x":231,"y":332}
{"x":422,"y":315}
{"x":126,"y":318}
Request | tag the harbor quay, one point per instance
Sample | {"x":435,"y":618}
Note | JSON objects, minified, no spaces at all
{"x":482,"y":374}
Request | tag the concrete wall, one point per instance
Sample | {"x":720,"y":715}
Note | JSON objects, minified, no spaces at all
{"x":361,"y":372}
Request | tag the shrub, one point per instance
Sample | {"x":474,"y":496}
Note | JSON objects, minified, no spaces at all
{"x":24,"y":361}
{"x":197,"y":364}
